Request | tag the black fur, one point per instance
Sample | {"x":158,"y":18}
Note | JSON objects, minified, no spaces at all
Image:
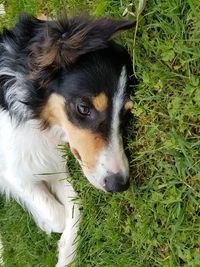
{"x":94,"y":73}
{"x":73,"y":57}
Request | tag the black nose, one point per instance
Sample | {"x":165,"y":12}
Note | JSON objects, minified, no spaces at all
{"x":116,"y":183}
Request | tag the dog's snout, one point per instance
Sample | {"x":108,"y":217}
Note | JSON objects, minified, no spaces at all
{"x":116,"y":183}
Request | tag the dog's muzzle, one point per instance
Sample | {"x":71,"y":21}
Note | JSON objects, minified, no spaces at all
{"x":116,"y":183}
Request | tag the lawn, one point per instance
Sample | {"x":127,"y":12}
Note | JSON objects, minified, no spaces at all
{"x":157,"y":221}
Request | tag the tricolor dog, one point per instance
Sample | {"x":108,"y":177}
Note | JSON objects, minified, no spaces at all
{"x":62,"y":81}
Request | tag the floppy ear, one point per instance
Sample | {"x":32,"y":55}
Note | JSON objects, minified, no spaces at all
{"x":61,"y":42}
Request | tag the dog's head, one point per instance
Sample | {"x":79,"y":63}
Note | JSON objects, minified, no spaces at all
{"x":85,"y":75}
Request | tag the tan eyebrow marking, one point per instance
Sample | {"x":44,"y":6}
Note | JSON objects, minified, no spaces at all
{"x":128,"y":105}
{"x":100,"y":102}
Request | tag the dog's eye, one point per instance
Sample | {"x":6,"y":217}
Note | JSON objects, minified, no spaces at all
{"x":83,"y":110}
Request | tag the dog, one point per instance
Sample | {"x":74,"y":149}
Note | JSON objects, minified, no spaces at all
{"x":62,"y":82}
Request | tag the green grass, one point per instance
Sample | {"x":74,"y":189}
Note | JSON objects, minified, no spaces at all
{"x":156,"y":222}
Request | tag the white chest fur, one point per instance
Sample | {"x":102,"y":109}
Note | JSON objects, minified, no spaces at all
{"x":26,"y":153}
{"x":28,"y":150}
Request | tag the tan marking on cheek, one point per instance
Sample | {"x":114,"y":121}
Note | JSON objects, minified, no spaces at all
{"x":100,"y":102}
{"x":128,"y":105}
{"x":53,"y":112}
{"x":87,"y":144}
{"x":84,"y":144}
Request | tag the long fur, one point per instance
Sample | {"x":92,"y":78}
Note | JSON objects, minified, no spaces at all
{"x":32,"y":55}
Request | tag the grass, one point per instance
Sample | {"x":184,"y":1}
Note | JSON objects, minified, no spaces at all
{"x":156,"y":222}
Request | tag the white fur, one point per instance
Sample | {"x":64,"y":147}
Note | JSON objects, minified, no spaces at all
{"x":27,"y":155}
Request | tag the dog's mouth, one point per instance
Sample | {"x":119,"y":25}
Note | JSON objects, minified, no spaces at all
{"x":110,"y":173}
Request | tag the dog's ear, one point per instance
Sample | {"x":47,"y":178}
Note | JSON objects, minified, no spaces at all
{"x":61,"y":42}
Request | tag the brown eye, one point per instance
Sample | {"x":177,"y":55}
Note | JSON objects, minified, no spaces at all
{"x":83,"y":110}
